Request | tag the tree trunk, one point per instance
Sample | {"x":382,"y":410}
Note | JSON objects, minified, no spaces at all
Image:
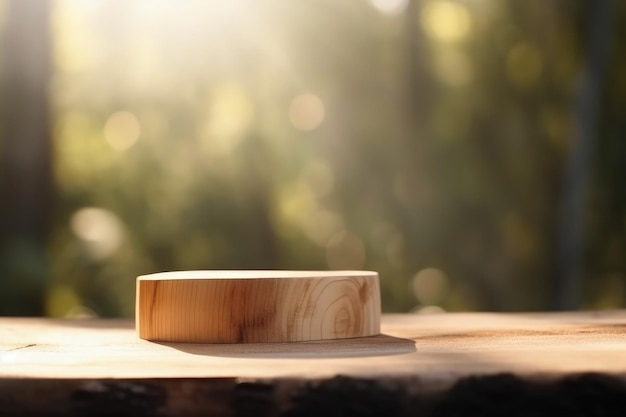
{"x":567,"y":287}
{"x":25,"y":157}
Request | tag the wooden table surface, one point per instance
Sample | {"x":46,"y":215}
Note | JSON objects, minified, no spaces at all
{"x":58,"y":361}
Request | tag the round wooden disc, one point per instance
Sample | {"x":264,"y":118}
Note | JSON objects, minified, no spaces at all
{"x":257,"y":306}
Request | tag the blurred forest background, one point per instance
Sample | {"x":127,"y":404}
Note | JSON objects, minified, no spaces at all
{"x":470,"y":151}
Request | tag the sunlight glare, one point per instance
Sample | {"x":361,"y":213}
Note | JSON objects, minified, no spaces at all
{"x":74,"y":54}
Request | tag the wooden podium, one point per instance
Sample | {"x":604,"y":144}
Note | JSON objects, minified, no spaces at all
{"x":257,"y":306}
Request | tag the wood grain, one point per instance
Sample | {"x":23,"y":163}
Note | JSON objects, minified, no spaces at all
{"x":441,"y":347}
{"x":450,"y":364}
{"x":257,"y":306}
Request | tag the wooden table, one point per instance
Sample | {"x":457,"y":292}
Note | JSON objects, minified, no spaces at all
{"x":440,"y":365}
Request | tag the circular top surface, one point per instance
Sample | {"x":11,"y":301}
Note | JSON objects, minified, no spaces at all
{"x":250,"y":274}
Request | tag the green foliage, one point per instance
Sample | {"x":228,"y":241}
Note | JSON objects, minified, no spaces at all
{"x":315,"y":135}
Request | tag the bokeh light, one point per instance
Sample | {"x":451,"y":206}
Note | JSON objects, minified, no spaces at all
{"x":306,"y":112}
{"x":229,"y":116}
{"x":122,"y":130}
{"x":430,"y":286}
{"x":438,"y":133}
{"x":99,"y":229}
{"x":453,"y":67}
{"x":446,"y":20}
{"x":523,"y":65}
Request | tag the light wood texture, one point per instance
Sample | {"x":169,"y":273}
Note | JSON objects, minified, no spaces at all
{"x":257,"y":306}
{"x":437,"y":347}
{"x":426,"y":365}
